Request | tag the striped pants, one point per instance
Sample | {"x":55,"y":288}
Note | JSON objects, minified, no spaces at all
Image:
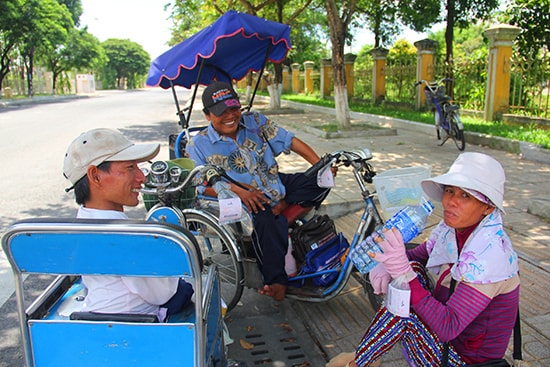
{"x":421,"y":345}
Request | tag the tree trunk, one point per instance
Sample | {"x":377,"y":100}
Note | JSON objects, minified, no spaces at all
{"x":338,"y":30}
{"x":449,"y":35}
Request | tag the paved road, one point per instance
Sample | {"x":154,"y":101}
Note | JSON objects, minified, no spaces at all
{"x":34,"y":140}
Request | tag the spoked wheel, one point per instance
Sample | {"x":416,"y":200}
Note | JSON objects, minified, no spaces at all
{"x":456,"y":132}
{"x":217,"y":247}
{"x":376,"y":300}
{"x":437,"y":120}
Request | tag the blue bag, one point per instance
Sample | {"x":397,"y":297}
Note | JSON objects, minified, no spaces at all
{"x":326,"y":257}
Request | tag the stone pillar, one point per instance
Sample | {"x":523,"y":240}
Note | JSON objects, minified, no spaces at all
{"x":379,"y":55}
{"x":326,"y":77}
{"x":286,"y":79}
{"x":425,"y":65}
{"x":295,"y":78}
{"x":308,"y":77}
{"x":497,"y":92}
{"x":349,"y":62}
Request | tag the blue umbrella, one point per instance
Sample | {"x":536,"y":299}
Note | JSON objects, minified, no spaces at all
{"x":225,"y":50}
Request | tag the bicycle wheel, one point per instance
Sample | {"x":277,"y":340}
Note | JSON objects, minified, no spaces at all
{"x":437,"y":120}
{"x":218,"y":247}
{"x":457,"y":131}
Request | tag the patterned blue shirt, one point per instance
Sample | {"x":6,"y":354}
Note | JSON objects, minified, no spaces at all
{"x":250,"y":158}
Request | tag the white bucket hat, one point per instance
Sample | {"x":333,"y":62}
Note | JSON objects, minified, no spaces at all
{"x":101,"y":145}
{"x":473,"y":172}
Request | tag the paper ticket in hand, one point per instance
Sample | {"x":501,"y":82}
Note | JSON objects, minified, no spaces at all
{"x":230,"y":210}
{"x":398,"y":301}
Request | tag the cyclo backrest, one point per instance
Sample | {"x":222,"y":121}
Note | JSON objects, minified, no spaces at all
{"x":106,"y":247}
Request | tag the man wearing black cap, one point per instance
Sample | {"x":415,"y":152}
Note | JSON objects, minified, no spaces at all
{"x":246,"y":146}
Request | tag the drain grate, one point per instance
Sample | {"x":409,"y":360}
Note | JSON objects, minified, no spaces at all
{"x":266,"y":341}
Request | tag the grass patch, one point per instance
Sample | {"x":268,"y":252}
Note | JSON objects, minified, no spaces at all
{"x":528,"y":133}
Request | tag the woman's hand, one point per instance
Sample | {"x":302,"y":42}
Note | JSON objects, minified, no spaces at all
{"x":394,"y":258}
{"x":379,"y":279}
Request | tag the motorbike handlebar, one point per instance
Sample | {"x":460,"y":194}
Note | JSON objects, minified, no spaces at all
{"x":325,"y":159}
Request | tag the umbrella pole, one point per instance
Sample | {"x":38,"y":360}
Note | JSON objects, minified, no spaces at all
{"x":259,"y":77}
{"x":195,"y":89}
{"x":180,"y":113}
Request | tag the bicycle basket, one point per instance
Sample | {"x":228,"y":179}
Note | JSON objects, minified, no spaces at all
{"x":181,"y":199}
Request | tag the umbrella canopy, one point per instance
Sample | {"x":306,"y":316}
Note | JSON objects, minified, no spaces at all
{"x":225,"y":50}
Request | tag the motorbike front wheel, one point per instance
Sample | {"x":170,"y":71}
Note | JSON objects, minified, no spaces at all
{"x":218,"y":247}
{"x":457,"y":132}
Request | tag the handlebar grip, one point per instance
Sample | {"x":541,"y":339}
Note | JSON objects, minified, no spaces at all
{"x":317,"y":166}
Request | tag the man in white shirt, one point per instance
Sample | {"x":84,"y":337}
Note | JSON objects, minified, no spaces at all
{"x":102,"y":166}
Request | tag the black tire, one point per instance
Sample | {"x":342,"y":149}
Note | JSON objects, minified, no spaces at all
{"x":437,"y":124}
{"x":375,"y":300}
{"x":456,"y":132}
{"x":218,"y":248}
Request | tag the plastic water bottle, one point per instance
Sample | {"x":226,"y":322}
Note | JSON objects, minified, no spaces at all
{"x":223,"y":189}
{"x":410,"y":221}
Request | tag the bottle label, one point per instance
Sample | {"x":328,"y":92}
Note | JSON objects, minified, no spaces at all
{"x":398,"y":301}
{"x":230,"y":210}
{"x":404,"y":224}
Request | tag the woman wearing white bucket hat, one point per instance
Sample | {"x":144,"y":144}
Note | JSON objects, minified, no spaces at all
{"x":468,"y":248}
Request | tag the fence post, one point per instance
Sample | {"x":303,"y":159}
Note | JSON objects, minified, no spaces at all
{"x":497,"y":93}
{"x":308,"y":76}
{"x":425,"y":64}
{"x":379,"y":56}
{"x":349,"y":62}
{"x":326,"y":77}
{"x":295,"y":78}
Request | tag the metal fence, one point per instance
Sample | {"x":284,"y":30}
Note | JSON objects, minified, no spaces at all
{"x":529,"y":90}
{"x":530,"y":86}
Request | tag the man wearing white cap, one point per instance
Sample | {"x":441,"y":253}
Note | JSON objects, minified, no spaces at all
{"x":102,"y":166}
{"x":474,"y":303}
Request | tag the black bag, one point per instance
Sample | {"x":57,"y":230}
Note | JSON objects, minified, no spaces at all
{"x":312,"y":234}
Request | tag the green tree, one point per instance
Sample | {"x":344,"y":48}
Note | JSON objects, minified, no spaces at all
{"x":82,"y":51}
{"x":463,"y":13}
{"x":10,"y":34}
{"x":75,"y":8}
{"x":533,"y":17}
{"x":386,"y":18}
{"x":302,"y":15}
{"x":46,"y":25}
{"x":127,"y":63}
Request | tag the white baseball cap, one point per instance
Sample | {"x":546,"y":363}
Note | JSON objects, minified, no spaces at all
{"x":101,"y":145}
{"x":475,"y":173}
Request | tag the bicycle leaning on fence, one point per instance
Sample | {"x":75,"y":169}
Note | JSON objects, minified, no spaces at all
{"x":446,"y":113}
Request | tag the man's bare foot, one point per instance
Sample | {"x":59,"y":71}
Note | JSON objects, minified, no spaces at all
{"x":277,"y":291}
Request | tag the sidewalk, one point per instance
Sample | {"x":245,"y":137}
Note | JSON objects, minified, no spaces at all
{"x":336,"y":326}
